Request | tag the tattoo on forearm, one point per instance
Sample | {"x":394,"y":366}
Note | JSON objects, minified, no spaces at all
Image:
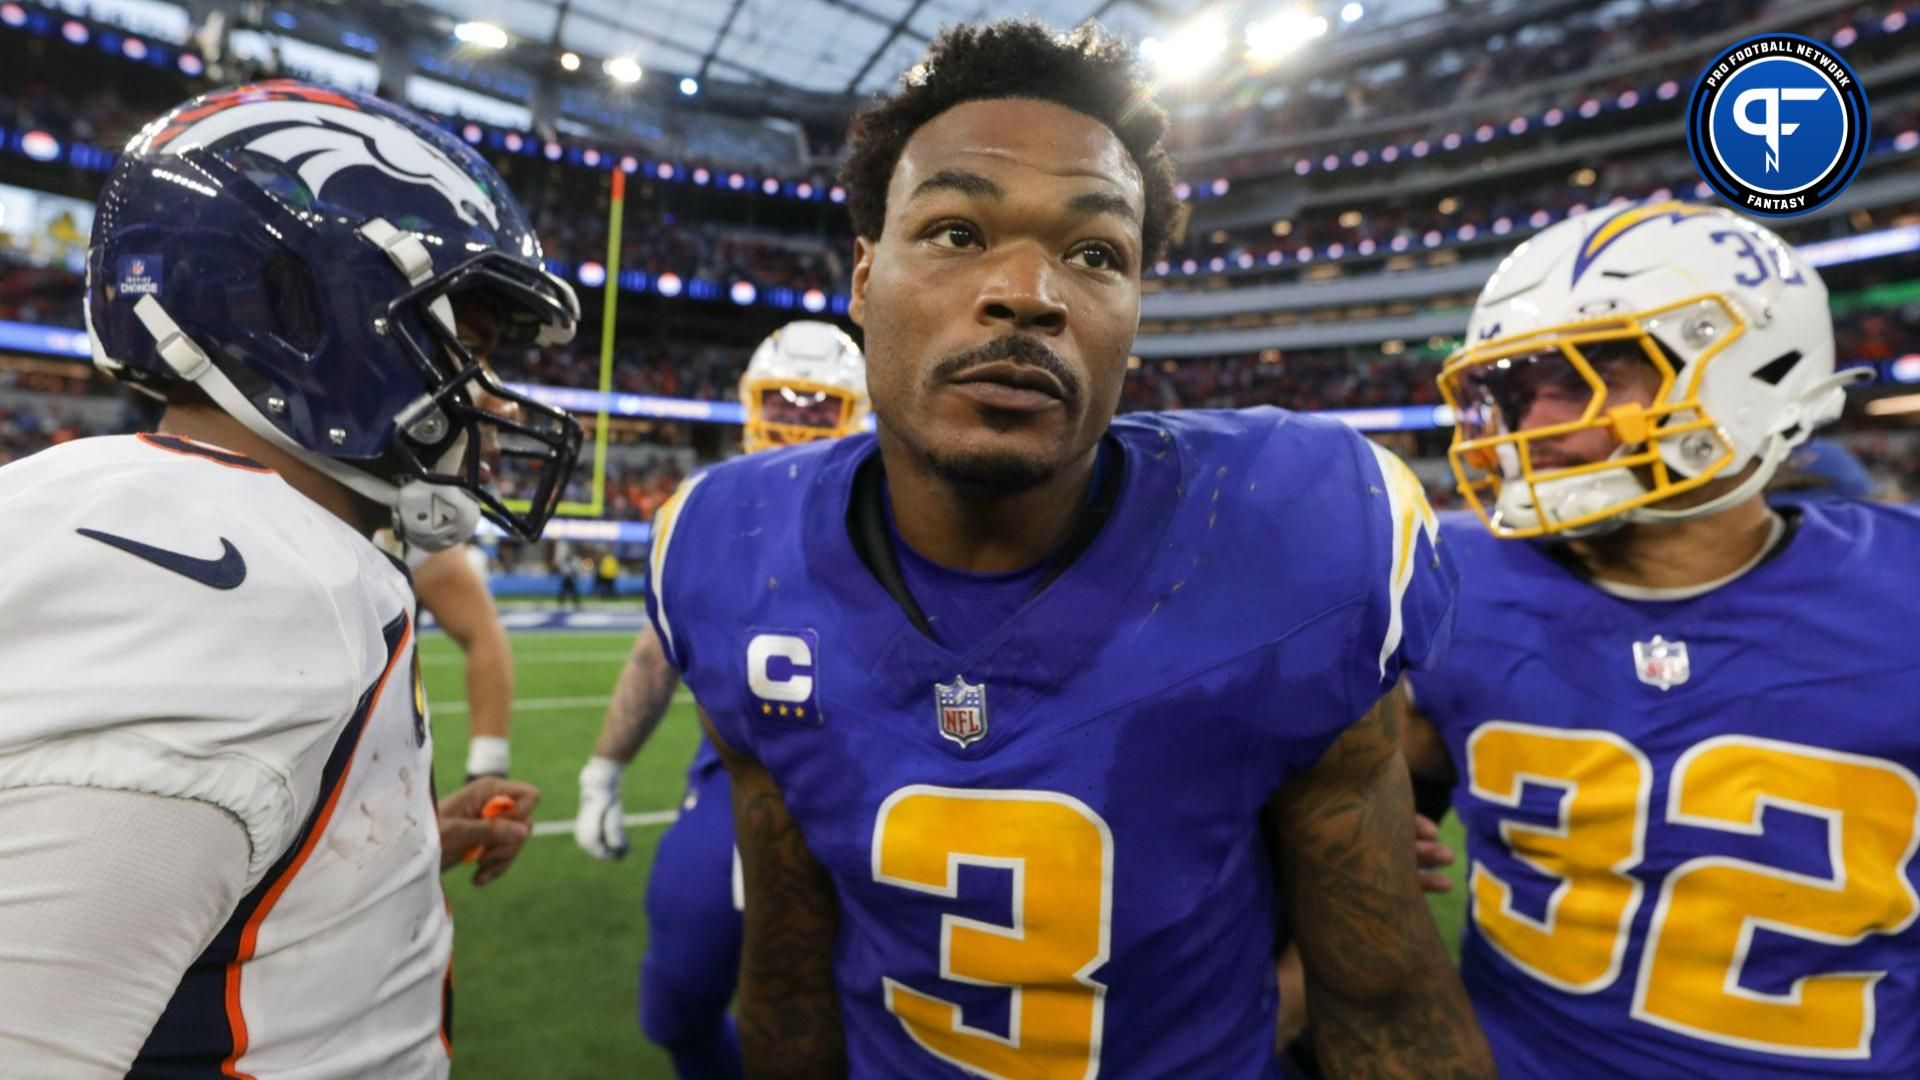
{"x":789,"y":1008}
{"x":640,"y":700}
{"x":1386,"y":999}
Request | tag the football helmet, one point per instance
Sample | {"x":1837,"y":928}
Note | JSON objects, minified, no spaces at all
{"x":806,"y":381}
{"x":1695,"y":342}
{"x":297,"y":253}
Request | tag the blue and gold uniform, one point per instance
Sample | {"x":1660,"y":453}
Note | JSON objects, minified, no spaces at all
{"x":1046,"y":842}
{"x":1691,"y":822}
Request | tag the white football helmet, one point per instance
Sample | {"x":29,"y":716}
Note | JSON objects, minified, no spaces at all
{"x":1731,"y":322}
{"x":806,"y":381}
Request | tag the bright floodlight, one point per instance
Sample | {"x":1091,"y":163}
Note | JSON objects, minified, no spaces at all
{"x":1279,"y":37}
{"x":1352,"y":13}
{"x":624,"y":69}
{"x":689,"y":86}
{"x":570,"y":61}
{"x":1190,"y":52}
{"x":482,"y":34}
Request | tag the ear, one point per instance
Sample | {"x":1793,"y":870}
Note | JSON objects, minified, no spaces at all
{"x":862,"y":266}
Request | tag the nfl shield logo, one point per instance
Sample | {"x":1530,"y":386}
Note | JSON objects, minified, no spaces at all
{"x":1661,"y":663}
{"x":962,"y":710}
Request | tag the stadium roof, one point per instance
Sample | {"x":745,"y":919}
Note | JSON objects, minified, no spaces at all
{"x":819,"y":46}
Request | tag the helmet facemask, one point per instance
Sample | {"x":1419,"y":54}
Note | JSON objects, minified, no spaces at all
{"x":469,"y":430}
{"x":1611,"y":376}
{"x":786,"y":412}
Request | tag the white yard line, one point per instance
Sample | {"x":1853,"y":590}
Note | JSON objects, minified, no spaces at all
{"x":527,"y":659}
{"x":680,"y":697}
{"x":633,"y":821}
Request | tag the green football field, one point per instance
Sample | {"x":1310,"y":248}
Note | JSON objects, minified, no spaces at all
{"x":546,"y":959}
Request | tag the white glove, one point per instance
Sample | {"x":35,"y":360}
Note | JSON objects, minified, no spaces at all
{"x":601,"y":829}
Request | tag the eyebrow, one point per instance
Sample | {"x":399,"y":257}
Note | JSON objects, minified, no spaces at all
{"x":976,"y":185}
{"x":1100,"y":202}
{"x":966,"y":183}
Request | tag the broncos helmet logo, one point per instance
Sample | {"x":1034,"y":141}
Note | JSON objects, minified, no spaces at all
{"x":320,"y":139}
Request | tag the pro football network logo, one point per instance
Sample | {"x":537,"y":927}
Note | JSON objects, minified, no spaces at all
{"x":1778,"y":124}
{"x":961,"y":707}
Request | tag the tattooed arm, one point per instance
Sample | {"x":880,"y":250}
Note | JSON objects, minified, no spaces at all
{"x":1386,"y":999}
{"x":640,"y":699}
{"x":788,"y":1010}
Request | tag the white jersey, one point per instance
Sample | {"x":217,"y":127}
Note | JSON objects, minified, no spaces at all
{"x":411,"y":554}
{"x":179,"y":621}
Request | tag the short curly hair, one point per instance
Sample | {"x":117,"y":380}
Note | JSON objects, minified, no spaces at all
{"x":1087,"y":70}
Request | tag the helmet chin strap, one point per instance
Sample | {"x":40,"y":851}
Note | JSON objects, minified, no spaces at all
{"x":431,"y":516}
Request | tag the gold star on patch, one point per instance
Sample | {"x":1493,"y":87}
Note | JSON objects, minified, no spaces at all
{"x":766,"y":708}
{"x":783,"y":710}
{"x":800,"y":711}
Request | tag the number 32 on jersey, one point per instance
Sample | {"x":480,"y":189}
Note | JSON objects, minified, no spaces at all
{"x":1704,"y":918}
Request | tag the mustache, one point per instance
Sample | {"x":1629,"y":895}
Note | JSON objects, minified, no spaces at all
{"x":1019,"y":348}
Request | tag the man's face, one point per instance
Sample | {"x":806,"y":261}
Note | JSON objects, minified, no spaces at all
{"x":478,"y":331}
{"x":1538,"y":392}
{"x":1002,"y":297}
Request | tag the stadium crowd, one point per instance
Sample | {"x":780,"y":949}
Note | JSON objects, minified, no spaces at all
{"x":1592,"y":38}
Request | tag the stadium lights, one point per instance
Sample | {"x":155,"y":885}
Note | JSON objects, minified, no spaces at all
{"x":1352,"y":13}
{"x":1894,"y":406}
{"x":1272,"y":40}
{"x":570,"y":61}
{"x":1190,"y":52}
{"x":622,"y":69}
{"x":482,"y":35}
{"x":689,"y":86}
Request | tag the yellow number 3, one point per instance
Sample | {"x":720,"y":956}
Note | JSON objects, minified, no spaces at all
{"x":1061,"y":856}
{"x":1697,"y":940}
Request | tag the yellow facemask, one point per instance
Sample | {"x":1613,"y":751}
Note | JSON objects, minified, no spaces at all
{"x":1494,"y":464}
{"x":830,"y":412}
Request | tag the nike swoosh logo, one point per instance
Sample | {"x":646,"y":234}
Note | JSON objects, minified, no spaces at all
{"x":225,"y":572}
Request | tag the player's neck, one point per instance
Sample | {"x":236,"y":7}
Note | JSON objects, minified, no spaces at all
{"x":1680,"y":554}
{"x":209,"y":425}
{"x":983,"y":534}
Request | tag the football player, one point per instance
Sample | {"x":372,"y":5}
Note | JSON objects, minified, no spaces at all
{"x":1007,"y":694}
{"x":806,"y":381}
{"x":220,"y":851}
{"x":1679,"y":726}
{"x":451,"y":585}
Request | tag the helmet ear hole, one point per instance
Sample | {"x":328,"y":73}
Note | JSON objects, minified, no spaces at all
{"x":294,"y":302}
{"x":1777,"y":368}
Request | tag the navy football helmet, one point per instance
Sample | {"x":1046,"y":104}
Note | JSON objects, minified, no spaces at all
{"x":297,"y":254}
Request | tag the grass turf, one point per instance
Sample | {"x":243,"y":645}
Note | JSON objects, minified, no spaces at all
{"x":546,"y":959}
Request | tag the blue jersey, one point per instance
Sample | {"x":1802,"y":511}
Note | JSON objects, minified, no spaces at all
{"x":1691,"y":823}
{"x":1046,"y":849}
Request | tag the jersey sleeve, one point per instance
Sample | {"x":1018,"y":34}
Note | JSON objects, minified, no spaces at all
{"x":675,"y":598}
{"x":103,"y":889}
{"x":664,"y":594}
{"x":119,"y":673}
{"x":1407,"y":618}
